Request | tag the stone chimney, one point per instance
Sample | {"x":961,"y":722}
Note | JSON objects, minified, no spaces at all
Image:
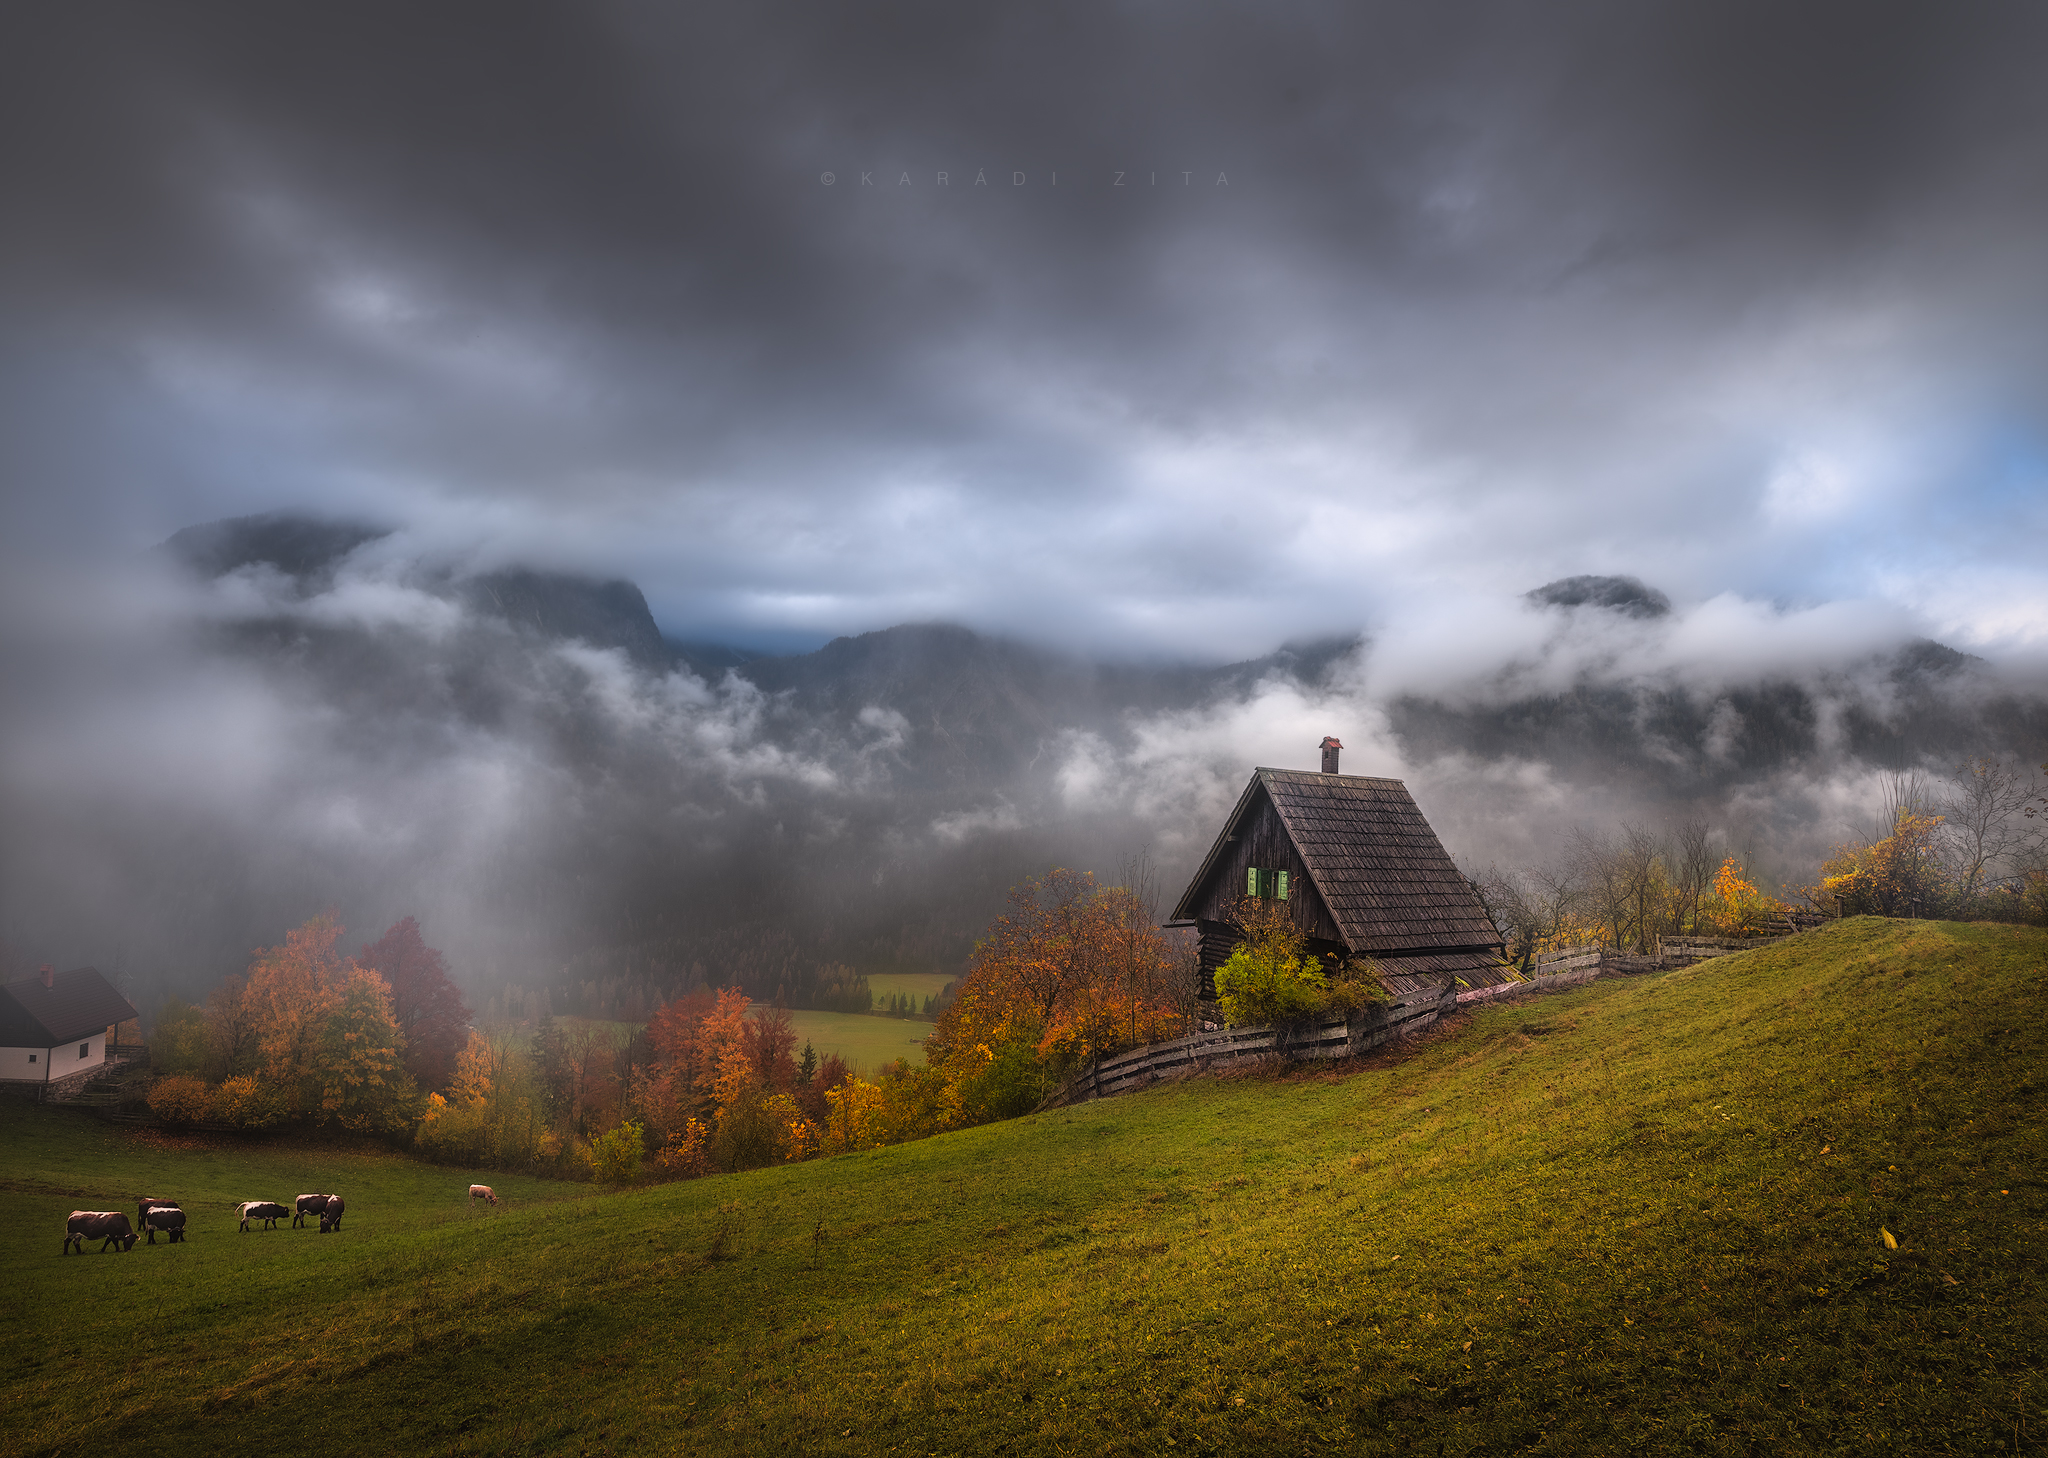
{"x":50,"y":976}
{"x":1330,"y":748}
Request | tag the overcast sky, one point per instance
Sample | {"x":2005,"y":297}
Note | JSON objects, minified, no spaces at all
{"x":1226,"y":324}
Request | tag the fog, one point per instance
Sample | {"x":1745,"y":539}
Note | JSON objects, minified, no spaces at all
{"x":196,"y":762}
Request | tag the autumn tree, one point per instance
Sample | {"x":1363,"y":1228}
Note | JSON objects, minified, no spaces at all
{"x":177,"y":1039}
{"x":289,"y":991}
{"x":1736,"y":904}
{"x":326,"y":1041}
{"x":1071,"y":971}
{"x":593,"y":1051}
{"x":424,"y":1002}
{"x":492,"y":1112}
{"x":1898,"y":875}
{"x":363,"y":1082}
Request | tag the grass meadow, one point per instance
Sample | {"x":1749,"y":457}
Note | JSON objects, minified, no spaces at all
{"x":865,"y":1041}
{"x":1643,"y":1216}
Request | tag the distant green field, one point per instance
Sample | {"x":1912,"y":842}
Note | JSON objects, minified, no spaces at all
{"x":862,"y":1039}
{"x":919,"y":985}
{"x":1645,"y":1216}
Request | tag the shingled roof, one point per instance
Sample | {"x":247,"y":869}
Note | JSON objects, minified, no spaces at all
{"x":78,"y":1004}
{"x":1388,"y":882}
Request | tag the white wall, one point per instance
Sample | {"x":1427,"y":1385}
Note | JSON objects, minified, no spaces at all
{"x":59,"y":1062}
{"x":14,"y":1063}
{"x":64,"y":1059}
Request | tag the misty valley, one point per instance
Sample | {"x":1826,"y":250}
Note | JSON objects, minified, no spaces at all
{"x":849,"y":1002}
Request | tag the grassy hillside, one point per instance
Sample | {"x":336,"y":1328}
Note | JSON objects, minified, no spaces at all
{"x":1641,"y":1216}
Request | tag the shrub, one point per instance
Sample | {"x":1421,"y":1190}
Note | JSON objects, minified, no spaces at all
{"x":180,"y":1099}
{"x":745,"y":1135}
{"x":249,"y":1103}
{"x":1008,"y":1084}
{"x":1271,"y":978}
{"x":1261,"y":985}
{"x":453,"y":1132}
{"x":615,"y":1157}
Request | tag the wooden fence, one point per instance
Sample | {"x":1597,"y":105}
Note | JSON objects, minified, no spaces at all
{"x":1344,"y":1037}
{"x":1580,"y":970}
{"x":1333,"y":1037}
{"x":1698,"y":947}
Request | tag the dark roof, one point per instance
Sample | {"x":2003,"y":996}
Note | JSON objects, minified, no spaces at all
{"x":79,"y":1003}
{"x":1387,"y":880}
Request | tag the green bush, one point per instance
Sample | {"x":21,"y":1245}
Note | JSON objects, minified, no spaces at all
{"x":249,"y":1103}
{"x":1271,"y":978}
{"x":615,"y":1157}
{"x":745,"y":1137}
{"x":1013,"y":1084}
{"x":1264,"y":984}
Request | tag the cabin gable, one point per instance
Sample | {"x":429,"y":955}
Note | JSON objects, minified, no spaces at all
{"x":1258,"y":838}
{"x":1366,"y":875}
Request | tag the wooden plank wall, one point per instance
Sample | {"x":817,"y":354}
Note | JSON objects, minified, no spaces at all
{"x":1263,"y":841}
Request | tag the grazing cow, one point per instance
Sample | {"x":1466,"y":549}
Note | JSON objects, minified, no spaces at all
{"x":167,"y":1218}
{"x":481,"y":1192}
{"x":330,"y":1218}
{"x":306,"y":1205}
{"x":268,"y":1211}
{"x":148,"y":1203}
{"x":108,"y":1227}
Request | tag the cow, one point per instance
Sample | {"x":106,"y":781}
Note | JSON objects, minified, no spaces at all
{"x":306,"y":1205}
{"x":268,"y":1211}
{"x":167,"y":1218}
{"x":330,"y":1218}
{"x":148,"y":1203}
{"x":481,"y":1192}
{"x":108,"y":1227}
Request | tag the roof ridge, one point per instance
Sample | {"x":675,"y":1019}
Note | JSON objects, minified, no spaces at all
{"x":1321,"y":775}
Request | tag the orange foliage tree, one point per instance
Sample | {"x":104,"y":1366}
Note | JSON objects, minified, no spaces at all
{"x":327,"y":1044}
{"x":1071,"y":971}
{"x":724,"y":1090}
{"x":1737,"y":905}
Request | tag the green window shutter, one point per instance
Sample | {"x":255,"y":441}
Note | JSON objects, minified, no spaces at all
{"x":1251,"y":881}
{"x":1281,"y":878}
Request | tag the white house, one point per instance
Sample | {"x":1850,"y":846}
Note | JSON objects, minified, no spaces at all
{"x":53,"y":1026}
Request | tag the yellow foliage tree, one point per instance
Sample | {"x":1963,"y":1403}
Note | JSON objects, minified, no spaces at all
{"x":364,"y":1086}
{"x":1900,"y":875}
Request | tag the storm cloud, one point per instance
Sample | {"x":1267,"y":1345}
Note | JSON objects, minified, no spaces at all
{"x":1391,"y":305}
{"x":1119,"y":334}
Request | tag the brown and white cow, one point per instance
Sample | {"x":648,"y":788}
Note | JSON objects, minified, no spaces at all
{"x":108,"y":1227}
{"x":307,"y":1205}
{"x":268,"y":1211}
{"x":167,"y":1218}
{"x":148,"y":1203}
{"x":481,"y":1192}
{"x":330,"y":1218}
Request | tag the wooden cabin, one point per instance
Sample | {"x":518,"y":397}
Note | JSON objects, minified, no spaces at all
{"x":1362,"y":871}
